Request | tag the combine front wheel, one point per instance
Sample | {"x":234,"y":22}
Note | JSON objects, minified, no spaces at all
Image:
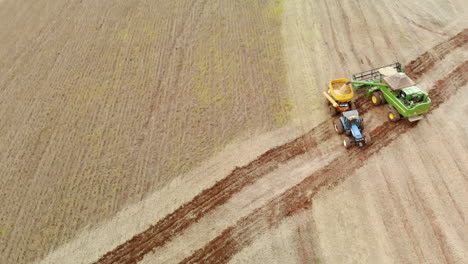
{"x":393,"y":115}
{"x":377,"y":98}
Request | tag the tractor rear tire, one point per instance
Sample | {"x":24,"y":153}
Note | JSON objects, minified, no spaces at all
{"x":339,"y":127}
{"x":393,"y":115}
{"x":367,"y":138}
{"x":347,"y":142}
{"x":332,"y":110}
{"x":353,"y":105}
{"x":377,"y":98}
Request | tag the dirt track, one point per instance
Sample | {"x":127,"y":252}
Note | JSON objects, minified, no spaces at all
{"x":208,"y":216}
{"x":300,"y":197}
{"x":389,"y":210}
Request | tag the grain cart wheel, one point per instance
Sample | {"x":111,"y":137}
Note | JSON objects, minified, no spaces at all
{"x":347,"y":142}
{"x":393,"y":115}
{"x":332,"y":110}
{"x":339,"y":127}
{"x":367,"y":138}
{"x":377,"y":98}
{"x":352,"y":105}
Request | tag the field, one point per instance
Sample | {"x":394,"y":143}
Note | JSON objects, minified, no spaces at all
{"x":195,"y":132}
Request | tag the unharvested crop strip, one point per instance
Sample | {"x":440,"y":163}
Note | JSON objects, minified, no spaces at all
{"x":299,"y":197}
{"x":173,"y":224}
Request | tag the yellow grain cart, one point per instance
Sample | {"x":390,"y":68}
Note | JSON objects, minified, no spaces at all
{"x":340,"y":95}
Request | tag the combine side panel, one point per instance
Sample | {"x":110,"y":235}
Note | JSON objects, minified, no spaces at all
{"x":419,"y":109}
{"x":392,"y":100}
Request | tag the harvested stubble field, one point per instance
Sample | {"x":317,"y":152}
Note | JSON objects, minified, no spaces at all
{"x":195,"y":132}
{"x":104,"y":102}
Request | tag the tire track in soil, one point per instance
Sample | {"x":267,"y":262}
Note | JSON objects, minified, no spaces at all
{"x":425,"y":28}
{"x":299,"y":197}
{"x":417,"y":67}
{"x":173,"y":224}
{"x":305,"y":244}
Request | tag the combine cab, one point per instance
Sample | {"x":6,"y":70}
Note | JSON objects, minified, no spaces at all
{"x":389,"y":84}
{"x":352,"y":125}
{"x":339,"y":95}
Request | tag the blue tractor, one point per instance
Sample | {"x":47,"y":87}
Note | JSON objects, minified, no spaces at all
{"x":351,"y":124}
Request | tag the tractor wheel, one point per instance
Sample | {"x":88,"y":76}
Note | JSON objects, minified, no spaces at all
{"x":393,"y":115}
{"x":347,"y":142}
{"x":353,"y":105}
{"x":332,"y":110}
{"x":367,"y":138}
{"x":377,"y":98}
{"x":339,"y":127}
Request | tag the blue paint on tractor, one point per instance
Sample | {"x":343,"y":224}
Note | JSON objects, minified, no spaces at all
{"x":352,"y":124}
{"x":356,"y":132}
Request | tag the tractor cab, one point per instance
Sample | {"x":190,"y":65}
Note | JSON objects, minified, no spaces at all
{"x":351,"y":118}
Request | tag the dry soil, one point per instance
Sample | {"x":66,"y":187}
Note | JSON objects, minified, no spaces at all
{"x":195,"y":132}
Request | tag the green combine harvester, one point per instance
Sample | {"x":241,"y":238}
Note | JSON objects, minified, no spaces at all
{"x":389,"y":84}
